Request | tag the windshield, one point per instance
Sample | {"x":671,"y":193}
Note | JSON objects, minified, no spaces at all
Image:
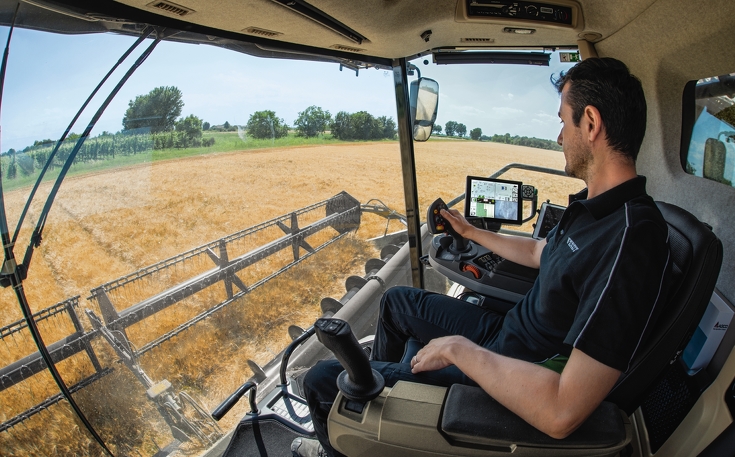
{"x":492,"y":116}
{"x":218,"y":201}
{"x":214,"y":205}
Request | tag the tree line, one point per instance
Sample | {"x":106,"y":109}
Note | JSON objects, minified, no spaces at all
{"x":153,"y":121}
{"x":315,"y":121}
{"x":456,"y":129}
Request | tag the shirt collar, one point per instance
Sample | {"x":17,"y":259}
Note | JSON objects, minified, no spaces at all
{"x":607,"y":202}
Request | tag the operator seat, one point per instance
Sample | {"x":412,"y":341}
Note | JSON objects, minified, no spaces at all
{"x":404,"y":420}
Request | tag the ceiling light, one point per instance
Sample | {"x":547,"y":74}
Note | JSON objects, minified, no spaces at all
{"x":519,"y":31}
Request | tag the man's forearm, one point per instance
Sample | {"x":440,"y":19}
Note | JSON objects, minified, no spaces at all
{"x":555,"y":404}
{"x":523,"y":251}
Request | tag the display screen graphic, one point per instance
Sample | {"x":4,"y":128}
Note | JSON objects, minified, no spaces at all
{"x":493,"y":199}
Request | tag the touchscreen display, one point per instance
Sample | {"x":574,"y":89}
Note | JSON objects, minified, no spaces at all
{"x":548,"y":218}
{"x":495,"y":199}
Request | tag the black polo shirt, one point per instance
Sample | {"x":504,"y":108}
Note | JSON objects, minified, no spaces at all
{"x":601,"y":274}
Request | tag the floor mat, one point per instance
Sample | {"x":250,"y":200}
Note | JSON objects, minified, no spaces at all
{"x":266,"y":437}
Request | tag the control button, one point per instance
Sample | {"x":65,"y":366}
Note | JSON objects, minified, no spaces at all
{"x":472,"y":269}
{"x":354,"y":406}
{"x":439,"y":227}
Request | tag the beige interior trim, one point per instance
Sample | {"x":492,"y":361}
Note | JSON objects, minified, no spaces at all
{"x":707,"y":419}
{"x":586,"y":49}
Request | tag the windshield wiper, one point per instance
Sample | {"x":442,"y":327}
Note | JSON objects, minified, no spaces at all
{"x":38,"y":232}
{"x":13,"y":274}
{"x":146,"y":32}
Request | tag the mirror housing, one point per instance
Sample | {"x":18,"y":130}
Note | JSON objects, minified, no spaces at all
{"x":424,"y":96}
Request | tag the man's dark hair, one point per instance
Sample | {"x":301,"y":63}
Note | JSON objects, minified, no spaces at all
{"x":607,"y":84}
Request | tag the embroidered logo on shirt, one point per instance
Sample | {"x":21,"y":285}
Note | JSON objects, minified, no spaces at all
{"x":572,"y":245}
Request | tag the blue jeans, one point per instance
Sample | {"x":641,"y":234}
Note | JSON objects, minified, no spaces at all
{"x":405,"y":312}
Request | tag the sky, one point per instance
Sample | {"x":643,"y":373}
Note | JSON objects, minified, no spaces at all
{"x":49,"y":76}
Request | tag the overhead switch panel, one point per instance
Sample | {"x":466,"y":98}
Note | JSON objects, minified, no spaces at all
{"x":530,"y":11}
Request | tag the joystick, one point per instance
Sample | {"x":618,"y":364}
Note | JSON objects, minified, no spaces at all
{"x":437,"y":224}
{"x":359,"y":382}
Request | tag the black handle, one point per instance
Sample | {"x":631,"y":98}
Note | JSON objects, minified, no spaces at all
{"x":227,"y":405}
{"x":437,"y":224}
{"x":289,"y":350}
{"x":359,"y":381}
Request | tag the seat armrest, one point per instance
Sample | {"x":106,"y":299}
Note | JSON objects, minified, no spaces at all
{"x":473,"y":418}
{"x":419,"y":420}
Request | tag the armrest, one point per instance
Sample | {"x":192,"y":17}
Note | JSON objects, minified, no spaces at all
{"x":412,"y":420}
{"x":472,"y":418}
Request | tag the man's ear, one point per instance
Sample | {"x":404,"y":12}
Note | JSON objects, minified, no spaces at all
{"x":593,"y":125}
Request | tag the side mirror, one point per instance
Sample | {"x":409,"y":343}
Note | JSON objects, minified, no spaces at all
{"x":424,"y":96}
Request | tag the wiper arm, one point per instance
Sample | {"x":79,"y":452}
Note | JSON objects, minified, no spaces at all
{"x":146,"y":32}
{"x":9,"y":259}
{"x":12,"y":275}
{"x":36,"y":236}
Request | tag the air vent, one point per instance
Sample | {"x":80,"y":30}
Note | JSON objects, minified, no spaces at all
{"x":477,"y":40}
{"x":590,"y":36}
{"x":261,"y":32}
{"x":341,"y":47}
{"x":171,"y":8}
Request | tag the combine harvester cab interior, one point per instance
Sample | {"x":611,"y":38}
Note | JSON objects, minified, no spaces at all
{"x":202,"y":200}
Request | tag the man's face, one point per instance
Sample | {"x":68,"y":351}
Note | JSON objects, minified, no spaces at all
{"x":577,"y":153}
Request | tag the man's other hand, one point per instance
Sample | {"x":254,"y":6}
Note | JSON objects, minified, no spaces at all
{"x":435,"y":355}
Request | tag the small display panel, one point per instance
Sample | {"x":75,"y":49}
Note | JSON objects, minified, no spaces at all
{"x":496,"y":200}
{"x":548,"y":218}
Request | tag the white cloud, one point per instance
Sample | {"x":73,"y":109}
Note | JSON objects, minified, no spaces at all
{"x":506,"y":111}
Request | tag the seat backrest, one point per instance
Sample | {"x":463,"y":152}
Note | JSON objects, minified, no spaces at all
{"x":696,"y":256}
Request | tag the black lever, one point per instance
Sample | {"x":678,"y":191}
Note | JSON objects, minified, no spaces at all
{"x":437,"y":224}
{"x":359,"y":382}
{"x":227,"y":405}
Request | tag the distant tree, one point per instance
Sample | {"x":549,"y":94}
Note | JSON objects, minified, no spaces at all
{"x":386,"y":127}
{"x":11,"y":173}
{"x":189,"y":131}
{"x":226,"y":125}
{"x":205,"y":126}
{"x":25,"y":163}
{"x":532,"y":142}
{"x":313,"y":121}
{"x":47,"y":142}
{"x":341,"y":127}
{"x":727,"y":115}
{"x":450,"y":128}
{"x":476,"y":133}
{"x":364,"y":126}
{"x":156,"y":110}
{"x":437,"y":129}
{"x":461,"y":130}
{"x":265,"y":124}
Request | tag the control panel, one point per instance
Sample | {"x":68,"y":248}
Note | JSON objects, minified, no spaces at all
{"x":530,"y":11}
{"x":481,"y":270}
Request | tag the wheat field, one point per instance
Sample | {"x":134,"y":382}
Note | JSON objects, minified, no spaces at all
{"x":109,"y":224}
